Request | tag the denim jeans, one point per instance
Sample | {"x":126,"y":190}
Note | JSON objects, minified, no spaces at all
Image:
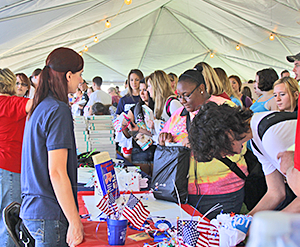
{"x":10,"y":191}
{"x":50,"y":233}
{"x":232,"y":202}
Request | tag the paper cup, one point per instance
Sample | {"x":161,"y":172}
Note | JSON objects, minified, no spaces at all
{"x":116,"y":231}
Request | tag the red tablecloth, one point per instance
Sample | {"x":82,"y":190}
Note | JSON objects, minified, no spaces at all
{"x":93,"y":239}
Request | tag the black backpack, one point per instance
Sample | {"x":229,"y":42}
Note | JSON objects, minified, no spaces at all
{"x":255,"y":183}
{"x":15,"y":226}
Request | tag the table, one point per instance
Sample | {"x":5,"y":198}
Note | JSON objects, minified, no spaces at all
{"x":92,"y":239}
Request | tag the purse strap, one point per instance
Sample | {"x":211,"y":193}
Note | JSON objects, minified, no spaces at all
{"x":233,"y":167}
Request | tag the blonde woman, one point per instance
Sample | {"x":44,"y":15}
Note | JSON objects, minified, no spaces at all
{"x":286,"y":93}
{"x":165,"y":102}
{"x":13,"y":116}
{"x":227,"y":87}
{"x":174,"y":80}
{"x":213,"y":84}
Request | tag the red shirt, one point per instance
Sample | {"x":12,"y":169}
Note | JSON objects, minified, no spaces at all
{"x":12,"y":123}
{"x":297,"y":143}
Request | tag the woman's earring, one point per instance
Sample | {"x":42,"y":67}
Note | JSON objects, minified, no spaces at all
{"x":201,"y":92}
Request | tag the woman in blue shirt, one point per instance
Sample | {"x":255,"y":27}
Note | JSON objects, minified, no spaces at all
{"x":49,"y":163}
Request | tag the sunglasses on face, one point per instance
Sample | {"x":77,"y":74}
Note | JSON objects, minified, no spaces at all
{"x":22,"y":84}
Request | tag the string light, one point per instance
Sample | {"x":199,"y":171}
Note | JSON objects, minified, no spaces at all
{"x":271,"y":37}
{"x":85,"y":48}
{"x":212,"y":55}
{"x":128,"y":2}
{"x":107,"y":24}
{"x":96,"y":39}
{"x":237,"y":47}
{"x":80,"y":53}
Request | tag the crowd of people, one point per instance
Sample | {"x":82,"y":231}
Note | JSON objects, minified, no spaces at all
{"x":203,"y":109}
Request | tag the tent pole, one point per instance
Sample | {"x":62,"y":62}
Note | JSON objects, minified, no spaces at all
{"x":150,"y":37}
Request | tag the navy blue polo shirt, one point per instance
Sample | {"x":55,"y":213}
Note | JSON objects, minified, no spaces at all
{"x":50,"y":127}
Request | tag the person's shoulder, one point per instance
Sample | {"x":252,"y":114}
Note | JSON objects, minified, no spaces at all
{"x":220,"y":100}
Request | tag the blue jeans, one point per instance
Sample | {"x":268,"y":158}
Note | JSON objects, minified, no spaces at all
{"x":50,"y":233}
{"x":10,"y":191}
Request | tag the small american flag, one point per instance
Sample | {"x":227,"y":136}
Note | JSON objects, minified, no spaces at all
{"x":135,"y":212}
{"x":209,"y":234}
{"x":108,"y":204}
{"x":187,"y":233}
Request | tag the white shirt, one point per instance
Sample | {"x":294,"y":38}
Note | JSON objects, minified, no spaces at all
{"x":99,"y":96}
{"x":278,"y":138}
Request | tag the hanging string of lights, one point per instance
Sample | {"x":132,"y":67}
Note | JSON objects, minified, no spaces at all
{"x":107,"y":25}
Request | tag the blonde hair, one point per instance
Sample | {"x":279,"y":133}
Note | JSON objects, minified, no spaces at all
{"x":226,"y":83}
{"x":213,"y":84}
{"x":112,"y":89}
{"x":161,"y":87}
{"x":174,"y":78}
{"x":292,"y":87}
{"x":7,"y":81}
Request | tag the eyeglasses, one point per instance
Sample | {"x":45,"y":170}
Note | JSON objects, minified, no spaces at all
{"x":22,"y":84}
{"x":187,"y":97}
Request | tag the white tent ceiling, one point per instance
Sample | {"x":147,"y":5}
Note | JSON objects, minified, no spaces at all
{"x":172,"y":35}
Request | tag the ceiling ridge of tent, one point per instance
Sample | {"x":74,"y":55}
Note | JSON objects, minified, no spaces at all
{"x":21,"y":2}
{"x":220,"y":57}
{"x":66,"y":43}
{"x":185,"y":61}
{"x":283,"y":44}
{"x":99,"y":61}
{"x":31,"y":59}
{"x":228,"y":38}
{"x":63,"y":22}
{"x":252,"y":61}
{"x":288,"y":6}
{"x":188,"y":30}
{"x":149,"y":2}
{"x":46,"y":10}
{"x":150,"y":37}
{"x":238,"y":16}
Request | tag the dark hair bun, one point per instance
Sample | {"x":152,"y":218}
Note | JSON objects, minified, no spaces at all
{"x":193,"y":75}
{"x":199,"y":68}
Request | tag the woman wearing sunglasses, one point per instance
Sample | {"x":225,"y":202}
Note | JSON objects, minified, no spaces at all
{"x":214,"y":182}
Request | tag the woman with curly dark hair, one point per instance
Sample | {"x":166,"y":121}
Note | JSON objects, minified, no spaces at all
{"x":220,"y":130}
{"x":213,"y":182}
{"x":265,"y":80}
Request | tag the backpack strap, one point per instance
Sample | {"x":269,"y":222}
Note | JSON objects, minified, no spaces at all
{"x":274,"y":118}
{"x":233,"y":167}
{"x":168,"y":105}
{"x":255,"y":146}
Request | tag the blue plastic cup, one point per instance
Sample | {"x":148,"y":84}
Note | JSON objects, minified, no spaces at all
{"x":116,"y":231}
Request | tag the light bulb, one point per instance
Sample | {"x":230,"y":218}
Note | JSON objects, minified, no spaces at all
{"x":85,"y":48}
{"x":96,"y":39}
{"x":80,"y":53}
{"x":128,"y":2}
{"x":107,"y":24}
{"x":272,"y":37}
{"x":212,"y":55}
{"x":237,"y":47}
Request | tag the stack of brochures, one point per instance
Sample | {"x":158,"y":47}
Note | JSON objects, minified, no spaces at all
{"x":101,"y":133}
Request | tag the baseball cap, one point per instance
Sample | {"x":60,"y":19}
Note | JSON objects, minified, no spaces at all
{"x":293,"y":58}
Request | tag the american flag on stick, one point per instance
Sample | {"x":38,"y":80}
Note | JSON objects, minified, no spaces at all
{"x":108,"y":204}
{"x":209,"y":234}
{"x":135,"y":212}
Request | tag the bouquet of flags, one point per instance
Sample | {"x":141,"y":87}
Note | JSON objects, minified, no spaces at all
{"x":134,"y":210}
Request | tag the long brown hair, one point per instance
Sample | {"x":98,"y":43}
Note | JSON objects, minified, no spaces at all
{"x":53,"y":76}
{"x":139,"y":74}
{"x":25,"y":79}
